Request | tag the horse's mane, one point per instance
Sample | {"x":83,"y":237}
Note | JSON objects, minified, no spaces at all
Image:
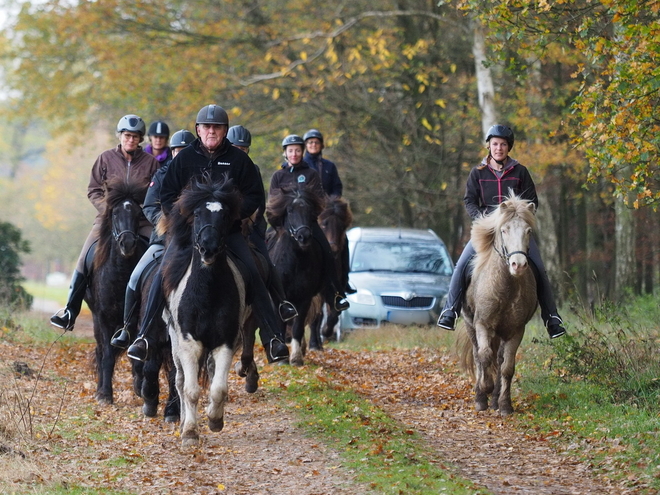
{"x":279,"y":200}
{"x":117,"y":191}
{"x":340,"y":208}
{"x":178,"y":224}
{"x":484,"y":229}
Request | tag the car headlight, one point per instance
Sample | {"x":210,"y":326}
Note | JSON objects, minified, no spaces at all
{"x":362,"y":296}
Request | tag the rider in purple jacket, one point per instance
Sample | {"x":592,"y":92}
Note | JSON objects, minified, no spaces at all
{"x":487,"y":186}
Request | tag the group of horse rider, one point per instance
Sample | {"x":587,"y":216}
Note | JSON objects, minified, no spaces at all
{"x":217,"y":150}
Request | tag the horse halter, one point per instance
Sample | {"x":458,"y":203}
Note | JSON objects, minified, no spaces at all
{"x":198,"y":235}
{"x":117,"y":235}
{"x":506,"y":255}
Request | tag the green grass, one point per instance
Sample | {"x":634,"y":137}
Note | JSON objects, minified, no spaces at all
{"x":43,"y":291}
{"x":384,"y":454}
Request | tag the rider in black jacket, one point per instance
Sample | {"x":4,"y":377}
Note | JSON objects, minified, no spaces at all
{"x":212,"y":153}
{"x":487,"y":186}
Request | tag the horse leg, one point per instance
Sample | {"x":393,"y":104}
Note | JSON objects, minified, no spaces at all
{"x":106,"y":369}
{"x":246,"y":366}
{"x":137,"y":371}
{"x":507,"y":370}
{"x":172,"y":410}
{"x":332,"y":318}
{"x":150,"y":390}
{"x":498,"y":350}
{"x":298,"y":335}
{"x":222,"y":356}
{"x":483,"y":356}
{"x":315,"y":343}
{"x":188,"y":353}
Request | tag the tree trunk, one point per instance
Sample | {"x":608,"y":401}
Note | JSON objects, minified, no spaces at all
{"x":485,"y":85}
{"x":624,"y":275}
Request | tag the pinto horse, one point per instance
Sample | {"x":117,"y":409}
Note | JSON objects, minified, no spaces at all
{"x":296,"y":255}
{"x":119,"y":249}
{"x":206,"y":300}
{"x":334,"y":220}
{"x":500,"y":300}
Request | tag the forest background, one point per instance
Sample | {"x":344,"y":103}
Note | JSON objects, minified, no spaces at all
{"x":402,"y":91}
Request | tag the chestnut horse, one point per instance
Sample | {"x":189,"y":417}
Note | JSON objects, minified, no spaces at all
{"x":500,"y":300}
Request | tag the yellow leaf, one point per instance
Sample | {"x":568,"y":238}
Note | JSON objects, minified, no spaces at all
{"x":221,"y":487}
{"x":276,"y":94}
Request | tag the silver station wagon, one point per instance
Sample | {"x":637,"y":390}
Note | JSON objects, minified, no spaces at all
{"x":401,"y":276}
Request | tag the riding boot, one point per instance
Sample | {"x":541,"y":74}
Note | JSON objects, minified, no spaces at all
{"x":457,"y":286}
{"x":286,"y":309}
{"x":122,"y":337}
{"x":140,"y":349}
{"x":66,"y":317}
{"x":551,"y":319}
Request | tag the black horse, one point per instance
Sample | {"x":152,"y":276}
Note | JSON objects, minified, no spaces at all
{"x":145,"y":374}
{"x":334,"y":220}
{"x":297,"y":257}
{"x":206,"y":299}
{"x":119,"y":249}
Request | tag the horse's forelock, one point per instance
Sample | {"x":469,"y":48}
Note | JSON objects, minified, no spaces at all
{"x":339,"y":208}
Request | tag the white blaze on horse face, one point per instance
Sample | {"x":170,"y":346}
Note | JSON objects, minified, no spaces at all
{"x":127,"y":205}
{"x":515,"y":238}
{"x":214,"y":206}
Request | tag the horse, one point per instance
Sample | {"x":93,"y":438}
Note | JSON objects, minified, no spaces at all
{"x":206,"y":300}
{"x":500,"y":300}
{"x":296,"y":255}
{"x":118,"y":250}
{"x":146,"y":374}
{"x":334,"y":220}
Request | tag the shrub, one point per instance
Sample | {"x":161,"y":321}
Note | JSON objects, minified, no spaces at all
{"x":11,"y":246}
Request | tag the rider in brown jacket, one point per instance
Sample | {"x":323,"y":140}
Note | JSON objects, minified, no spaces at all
{"x":127,"y":160}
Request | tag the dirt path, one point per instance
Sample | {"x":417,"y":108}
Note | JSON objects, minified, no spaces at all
{"x":261,"y":451}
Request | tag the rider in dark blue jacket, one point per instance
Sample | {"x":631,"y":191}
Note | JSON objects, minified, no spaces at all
{"x":487,"y":186}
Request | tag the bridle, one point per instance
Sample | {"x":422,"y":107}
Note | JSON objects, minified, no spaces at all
{"x":117,"y":235}
{"x":505,"y":254}
{"x":198,"y":234}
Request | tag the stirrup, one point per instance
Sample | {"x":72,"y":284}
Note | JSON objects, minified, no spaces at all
{"x":279,"y":357}
{"x":287,"y":311}
{"x":121,"y":338}
{"x":340,"y":303}
{"x":136,"y":352}
{"x":63,"y":319}
{"x":555,"y":328}
{"x":447,"y":319}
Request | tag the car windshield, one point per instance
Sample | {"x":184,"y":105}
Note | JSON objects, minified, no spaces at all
{"x":421,"y":257}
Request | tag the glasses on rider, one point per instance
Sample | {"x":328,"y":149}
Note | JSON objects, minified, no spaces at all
{"x":129,"y":136}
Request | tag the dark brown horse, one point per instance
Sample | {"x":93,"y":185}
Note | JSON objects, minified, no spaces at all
{"x":500,"y":300}
{"x":334,"y":220}
{"x":296,"y":255}
{"x":118,"y":250}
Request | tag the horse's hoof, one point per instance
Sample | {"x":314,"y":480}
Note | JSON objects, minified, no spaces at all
{"x":316,"y":348}
{"x":191,"y":441}
{"x":150,"y":410}
{"x":297,"y":362}
{"x":506,"y":411}
{"x":172,"y":418}
{"x":104,"y":400}
{"x":239,"y":370}
{"x":216,"y":424}
{"x":481,"y":406}
{"x":251,"y":384}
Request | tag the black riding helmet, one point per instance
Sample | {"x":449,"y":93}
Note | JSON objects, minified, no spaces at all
{"x":159,"y":128}
{"x":239,"y":136}
{"x":313,"y":133}
{"x":212,"y":114}
{"x":501,"y":131}
{"x":181,"y":139}
{"x":292,"y":139}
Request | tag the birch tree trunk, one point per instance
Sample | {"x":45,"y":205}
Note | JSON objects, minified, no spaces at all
{"x":485,"y":85}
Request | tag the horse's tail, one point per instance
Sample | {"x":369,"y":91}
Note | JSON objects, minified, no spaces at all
{"x":464,"y":350}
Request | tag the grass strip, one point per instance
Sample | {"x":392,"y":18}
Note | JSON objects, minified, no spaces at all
{"x":382,"y":453}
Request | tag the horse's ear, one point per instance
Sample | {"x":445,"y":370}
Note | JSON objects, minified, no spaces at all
{"x":531,"y":207}
{"x":504,"y":206}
